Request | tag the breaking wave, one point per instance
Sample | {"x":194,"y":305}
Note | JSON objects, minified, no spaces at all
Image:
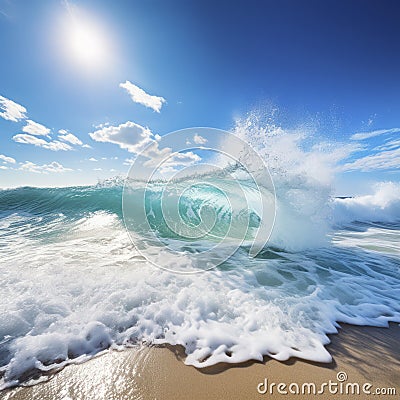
{"x":73,"y":284}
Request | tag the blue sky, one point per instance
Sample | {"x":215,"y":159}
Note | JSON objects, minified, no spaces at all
{"x":330,"y":64}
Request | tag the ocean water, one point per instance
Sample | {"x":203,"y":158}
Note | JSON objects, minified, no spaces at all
{"x":73,"y":284}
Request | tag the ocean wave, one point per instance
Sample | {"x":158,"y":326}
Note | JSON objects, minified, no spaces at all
{"x":381,"y":206}
{"x":74,"y":285}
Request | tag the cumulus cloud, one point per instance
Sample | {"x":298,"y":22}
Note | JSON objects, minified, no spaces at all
{"x":199,"y":139}
{"x":3,"y":167}
{"x":6,"y":159}
{"x":34,"y":128}
{"x":177,"y":160}
{"x":11,"y":111}
{"x":367,"y":135}
{"x":53,"y":167}
{"x":93,"y":159}
{"x":54,"y":145}
{"x":138,"y":139}
{"x":128,"y":136}
{"x":15,"y":112}
{"x":66,"y":136}
{"x":138,"y":95}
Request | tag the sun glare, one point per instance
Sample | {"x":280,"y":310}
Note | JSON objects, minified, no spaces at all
{"x":86,"y":44}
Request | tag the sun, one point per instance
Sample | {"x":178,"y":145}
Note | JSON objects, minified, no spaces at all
{"x":86,"y":43}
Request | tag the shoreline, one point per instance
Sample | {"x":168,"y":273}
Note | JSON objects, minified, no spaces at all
{"x":365,"y":354}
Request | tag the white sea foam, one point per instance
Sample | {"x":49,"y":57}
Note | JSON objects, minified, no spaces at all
{"x":99,"y":292}
{"x":381,"y":206}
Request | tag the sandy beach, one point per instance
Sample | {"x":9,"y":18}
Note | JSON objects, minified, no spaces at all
{"x":366,"y":355}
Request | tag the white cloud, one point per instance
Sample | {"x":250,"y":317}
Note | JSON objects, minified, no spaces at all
{"x":53,"y":167}
{"x":86,"y":146}
{"x":6,"y":159}
{"x":3,"y":167}
{"x":11,"y":111}
{"x":389,"y":145}
{"x":385,"y":156}
{"x":54,"y":145}
{"x":129,"y":161}
{"x":66,"y":136}
{"x":138,"y":95}
{"x":380,"y":161}
{"x":34,"y":128}
{"x":165,"y":160}
{"x":128,"y":136}
{"x":99,"y":126}
{"x":367,"y":135}
{"x":97,"y":169}
{"x":92,"y":159}
{"x":199,"y":139}
{"x":137,"y":139}
{"x":179,"y":160}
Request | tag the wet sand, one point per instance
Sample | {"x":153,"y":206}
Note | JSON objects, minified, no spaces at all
{"x":365,"y":354}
